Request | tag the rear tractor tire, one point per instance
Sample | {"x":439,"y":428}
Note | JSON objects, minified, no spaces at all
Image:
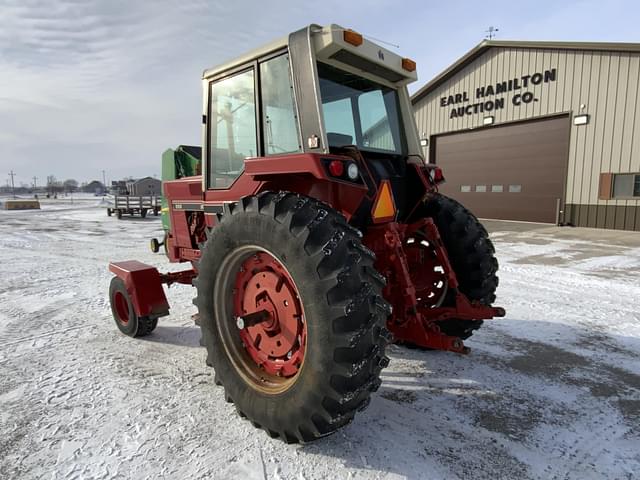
{"x":292,"y":315}
{"x":127,"y":321}
{"x":471,"y":254}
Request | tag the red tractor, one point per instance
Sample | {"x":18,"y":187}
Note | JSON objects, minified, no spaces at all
{"x":314,"y":231}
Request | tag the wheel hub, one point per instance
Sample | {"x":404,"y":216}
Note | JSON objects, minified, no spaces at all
{"x":269,"y":315}
{"x":122,"y":308}
{"x":427,"y":273}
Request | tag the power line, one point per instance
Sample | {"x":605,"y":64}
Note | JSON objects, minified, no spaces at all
{"x":13,"y":188}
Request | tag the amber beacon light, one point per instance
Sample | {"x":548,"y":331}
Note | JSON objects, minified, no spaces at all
{"x":409,"y":65}
{"x":354,"y":38}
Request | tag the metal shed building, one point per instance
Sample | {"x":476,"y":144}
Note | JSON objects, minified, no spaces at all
{"x":539,"y":131}
{"x":145,"y":186}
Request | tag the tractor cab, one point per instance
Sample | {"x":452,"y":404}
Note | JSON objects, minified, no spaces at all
{"x":320,"y":91}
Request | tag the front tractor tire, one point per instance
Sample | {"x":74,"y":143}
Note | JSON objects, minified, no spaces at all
{"x":154,"y":245}
{"x":471,"y":254}
{"x":292,"y":315}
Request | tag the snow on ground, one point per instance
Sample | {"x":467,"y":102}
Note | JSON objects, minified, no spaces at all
{"x":551,"y":391}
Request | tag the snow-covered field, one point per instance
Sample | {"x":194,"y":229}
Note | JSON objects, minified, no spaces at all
{"x":551,"y":391}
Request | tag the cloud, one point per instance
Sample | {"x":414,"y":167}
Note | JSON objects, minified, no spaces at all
{"x":87,"y":85}
{"x":94,"y":85}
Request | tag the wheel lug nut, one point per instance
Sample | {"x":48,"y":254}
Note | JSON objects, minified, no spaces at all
{"x":240,"y":322}
{"x":289,"y":355}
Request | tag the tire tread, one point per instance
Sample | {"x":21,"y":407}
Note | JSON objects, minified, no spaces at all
{"x":354,"y":294}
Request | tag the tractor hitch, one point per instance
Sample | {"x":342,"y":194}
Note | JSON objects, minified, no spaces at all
{"x":422,"y":285}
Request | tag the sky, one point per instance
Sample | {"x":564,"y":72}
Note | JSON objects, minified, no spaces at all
{"x":93,"y":85}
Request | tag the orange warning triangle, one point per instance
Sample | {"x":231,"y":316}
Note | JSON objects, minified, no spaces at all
{"x":384,"y":208}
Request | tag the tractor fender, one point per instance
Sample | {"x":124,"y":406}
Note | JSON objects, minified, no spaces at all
{"x":144,"y":286}
{"x":307,"y":174}
{"x":261,"y":167}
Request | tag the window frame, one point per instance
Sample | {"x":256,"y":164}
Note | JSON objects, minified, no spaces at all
{"x":631,"y":196}
{"x":402,"y":147}
{"x":262,"y":134}
{"x":240,"y":69}
{"x":254,"y":65}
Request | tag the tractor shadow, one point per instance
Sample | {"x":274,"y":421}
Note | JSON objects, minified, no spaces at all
{"x":443,"y":415}
{"x":175,"y":335}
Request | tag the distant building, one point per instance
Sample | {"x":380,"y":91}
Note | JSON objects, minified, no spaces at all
{"x":144,"y":186}
{"x":94,"y":187}
{"x":118,"y":187}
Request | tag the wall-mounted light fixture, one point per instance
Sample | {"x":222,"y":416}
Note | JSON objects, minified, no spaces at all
{"x":581,"y":119}
{"x":488,"y":120}
{"x":424,"y":142}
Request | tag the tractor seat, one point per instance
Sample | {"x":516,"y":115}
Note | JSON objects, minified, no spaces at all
{"x":339,"y":139}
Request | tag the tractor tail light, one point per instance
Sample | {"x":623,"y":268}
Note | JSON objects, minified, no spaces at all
{"x":336,"y":168}
{"x":354,"y":38}
{"x":384,"y":208}
{"x":436,"y":175}
{"x":353,"y":172}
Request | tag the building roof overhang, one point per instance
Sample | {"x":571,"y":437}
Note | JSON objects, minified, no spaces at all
{"x":485,"y":45}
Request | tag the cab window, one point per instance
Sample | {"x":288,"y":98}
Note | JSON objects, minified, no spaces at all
{"x":279,"y":120}
{"x":360,"y":112}
{"x":232,"y":127}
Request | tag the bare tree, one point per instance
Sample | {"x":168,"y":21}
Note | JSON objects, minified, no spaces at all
{"x":70,"y":185}
{"x":53,"y":186}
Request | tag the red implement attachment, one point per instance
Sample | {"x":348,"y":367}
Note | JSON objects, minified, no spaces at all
{"x":421,"y":285}
{"x":144,"y":286}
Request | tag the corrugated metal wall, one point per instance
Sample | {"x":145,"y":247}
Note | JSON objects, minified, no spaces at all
{"x":606,"y":83}
{"x":379,"y":136}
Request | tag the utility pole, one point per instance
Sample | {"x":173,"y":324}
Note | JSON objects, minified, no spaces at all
{"x":104,"y":184}
{"x":491,"y":32}
{"x":13,"y":188}
{"x":35,"y":182}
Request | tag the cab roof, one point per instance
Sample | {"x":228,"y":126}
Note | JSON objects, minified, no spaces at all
{"x":273,"y":46}
{"x":329,"y":45}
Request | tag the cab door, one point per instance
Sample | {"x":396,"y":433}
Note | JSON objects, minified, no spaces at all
{"x":232,"y":127}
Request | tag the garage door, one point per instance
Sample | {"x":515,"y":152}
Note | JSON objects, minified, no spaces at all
{"x":511,"y":172}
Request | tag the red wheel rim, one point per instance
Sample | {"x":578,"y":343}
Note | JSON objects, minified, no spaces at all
{"x":427,"y":273}
{"x":269,"y":315}
{"x":121,"y":307}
